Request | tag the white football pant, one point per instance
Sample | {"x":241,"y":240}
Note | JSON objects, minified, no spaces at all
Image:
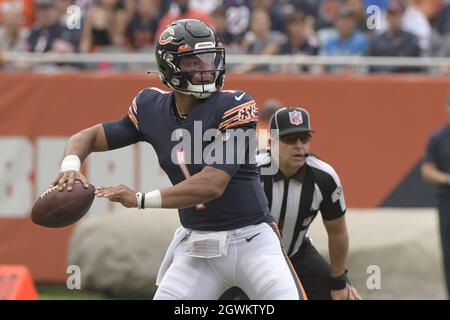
{"x":258,"y":265}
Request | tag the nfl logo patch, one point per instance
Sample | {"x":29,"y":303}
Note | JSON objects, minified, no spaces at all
{"x":295,"y":117}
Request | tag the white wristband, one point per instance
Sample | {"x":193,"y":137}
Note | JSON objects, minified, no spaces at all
{"x":71,"y":162}
{"x":153,"y":199}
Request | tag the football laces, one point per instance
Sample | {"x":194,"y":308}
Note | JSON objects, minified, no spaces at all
{"x":46,"y":192}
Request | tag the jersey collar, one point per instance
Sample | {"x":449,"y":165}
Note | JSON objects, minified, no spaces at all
{"x":299,"y":175}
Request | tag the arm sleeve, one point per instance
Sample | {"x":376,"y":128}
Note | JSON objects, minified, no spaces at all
{"x":333,"y":204}
{"x":121,"y":133}
{"x":124,"y":132}
{"x":235,"y":144}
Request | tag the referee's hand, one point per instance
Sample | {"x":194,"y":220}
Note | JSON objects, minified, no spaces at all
{"x":348,"y":293}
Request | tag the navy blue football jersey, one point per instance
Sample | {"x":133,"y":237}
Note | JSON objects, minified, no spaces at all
{"x":182,"y":149}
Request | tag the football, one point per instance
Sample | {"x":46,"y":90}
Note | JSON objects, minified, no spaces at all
{"x":56,"y":209}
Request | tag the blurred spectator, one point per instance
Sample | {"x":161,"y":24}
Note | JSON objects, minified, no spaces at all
{"x":270,"y":106}
{"x":394,"y":42}
{"x":141,"y":30}
{"x":277,"y":17}
{"x":130,"y":7}
{"x":62,"y":5}
{"x":181,"y":10}
{"x":260,"y":40}
{"x":12,"y":36}
{"x":445,"y":49}
{"x":48,"y":34}
{"x":238,"y":18}
{"x":298,"y":42}
{"x":308,"y":7}
{"x":348,"y":41}
{"x":73,"y":23}
{"x":84,"y":5}
{"x":441,"y":21}
{"x":327,"y":11}
{"x":221,"y":28}
{"x":445,"y":52}
{"x":104,"y":27}
{"x":430,"y":8}
{"x":164,"y":6}
{"x":359,"y":12}
{"x":382,"y":4}
{"x":207,"y":6}
{"x":309,"y":10}
{"x":24,"y":8}
{"x":416,"y":22}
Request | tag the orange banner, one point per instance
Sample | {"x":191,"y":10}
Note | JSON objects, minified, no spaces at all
{"x":372,"y":130}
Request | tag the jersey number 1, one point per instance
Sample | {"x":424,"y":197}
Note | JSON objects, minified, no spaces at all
{"x":186,"y":173}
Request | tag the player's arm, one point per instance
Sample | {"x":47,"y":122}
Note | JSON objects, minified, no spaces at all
{"x":89,"y":140}
{"x":207,"y":185}
{"x":78,"y":147}
{"x":211,"y":181}
{"x":432,"y":174}
{"x":338,"y":244}
{"x":333,"y":210}
{"x":429,"y":170}
{"x":204,"y":186}
{"x":101,"y":137}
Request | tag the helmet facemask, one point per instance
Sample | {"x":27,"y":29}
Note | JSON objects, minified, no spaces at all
{"x":198,"y":72}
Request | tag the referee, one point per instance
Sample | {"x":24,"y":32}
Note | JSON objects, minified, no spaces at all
{"x":303,"y":186}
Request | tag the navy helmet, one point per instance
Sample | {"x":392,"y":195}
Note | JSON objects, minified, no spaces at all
{"x":186,"y":48}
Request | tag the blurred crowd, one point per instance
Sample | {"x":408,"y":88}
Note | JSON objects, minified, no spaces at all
{"x":404,"y":28}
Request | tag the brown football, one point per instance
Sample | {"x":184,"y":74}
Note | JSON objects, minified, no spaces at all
{"x":56,"y":209}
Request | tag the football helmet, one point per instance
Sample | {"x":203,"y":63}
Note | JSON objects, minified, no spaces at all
{"x":190,"y":58}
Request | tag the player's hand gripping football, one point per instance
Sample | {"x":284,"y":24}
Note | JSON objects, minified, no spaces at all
{"x":348,"y":293}
{"x":121,"y":193}
{"x":67,"y":179}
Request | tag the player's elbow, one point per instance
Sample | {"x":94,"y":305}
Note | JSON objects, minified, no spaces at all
{"x":213,"y":183}
{"x":212,"y":190}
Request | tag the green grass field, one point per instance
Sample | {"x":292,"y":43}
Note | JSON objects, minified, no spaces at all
{"x":60,"y":292}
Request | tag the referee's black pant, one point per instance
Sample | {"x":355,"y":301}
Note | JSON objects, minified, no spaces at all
{"x":312,"y":269}
{"x":444,"y":228}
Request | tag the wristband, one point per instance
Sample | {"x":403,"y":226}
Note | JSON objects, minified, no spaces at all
{"x":150,"y":199}
{"x":153,"y":199}
{"x":71,"y":163}
{"x":140,"y":198}
{"x":340,"y":282}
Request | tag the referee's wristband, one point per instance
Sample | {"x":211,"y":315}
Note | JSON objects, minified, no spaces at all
{"x":150,"y":199}
{"x":340,"y":282}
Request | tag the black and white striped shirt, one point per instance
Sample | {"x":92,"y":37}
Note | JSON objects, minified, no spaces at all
{"x":295,"y":202}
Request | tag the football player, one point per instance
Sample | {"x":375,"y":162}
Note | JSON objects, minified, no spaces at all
{"x":228,"y":237}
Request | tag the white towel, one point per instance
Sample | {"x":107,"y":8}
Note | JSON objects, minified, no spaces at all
{"x":179,"y":235}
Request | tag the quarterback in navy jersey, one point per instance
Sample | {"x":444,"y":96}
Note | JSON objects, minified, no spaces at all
{"x":152,"y":117}
{"x":228,"y":237}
